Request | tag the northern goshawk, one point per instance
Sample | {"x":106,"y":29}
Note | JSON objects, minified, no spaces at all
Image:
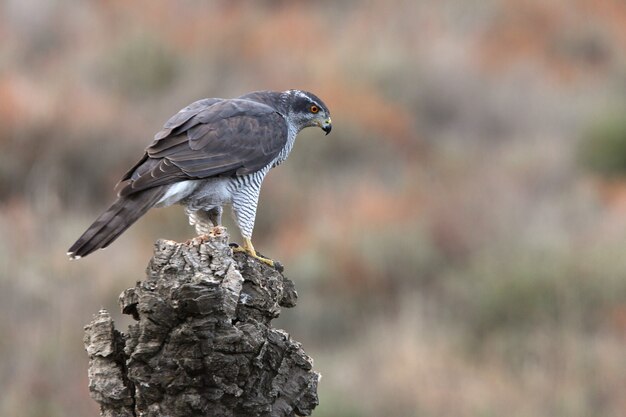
{"x":212,"y":153}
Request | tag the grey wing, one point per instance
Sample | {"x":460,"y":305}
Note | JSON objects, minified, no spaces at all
{"x":223,"y":137}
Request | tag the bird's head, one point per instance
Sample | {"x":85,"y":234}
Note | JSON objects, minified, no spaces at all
{"x":305,"y":109}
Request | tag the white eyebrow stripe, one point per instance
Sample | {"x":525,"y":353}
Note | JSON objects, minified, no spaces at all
{"x":304,"y":95}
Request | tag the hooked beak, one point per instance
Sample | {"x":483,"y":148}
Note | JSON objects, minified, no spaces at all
{"x":327,"y":125}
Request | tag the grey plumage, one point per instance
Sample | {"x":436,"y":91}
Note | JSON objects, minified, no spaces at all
{"x":212,"y":153}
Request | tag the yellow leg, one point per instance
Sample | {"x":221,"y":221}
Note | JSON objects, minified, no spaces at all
{"x":249,"y":249}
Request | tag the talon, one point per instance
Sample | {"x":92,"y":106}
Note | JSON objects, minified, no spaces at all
{"x":266,"y":261}
{"x":249,"y":249}
{"x":198,"y":239}
{"x":203,"y":238}
{"x":217,"y":230}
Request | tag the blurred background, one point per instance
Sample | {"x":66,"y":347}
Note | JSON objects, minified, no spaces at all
{"x":458,"y":242}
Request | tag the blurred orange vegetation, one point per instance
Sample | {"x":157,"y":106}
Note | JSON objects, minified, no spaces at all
{"x":452,"y":255}
{"x":569,"y":41}
{"x":21,"y":101}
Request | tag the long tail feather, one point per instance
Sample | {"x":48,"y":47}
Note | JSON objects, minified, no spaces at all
{"x":112,"y":223}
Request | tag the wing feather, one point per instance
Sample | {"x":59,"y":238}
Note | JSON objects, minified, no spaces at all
{"x":178,"y":121}
{"x":211,"y":137}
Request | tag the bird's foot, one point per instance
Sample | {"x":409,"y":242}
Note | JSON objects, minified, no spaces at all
{"x":249,"y":249}
{"x":217,"y":230}
{"x":253,"y":254}
{"x":197,"y":240}
{"x":204,"y":237}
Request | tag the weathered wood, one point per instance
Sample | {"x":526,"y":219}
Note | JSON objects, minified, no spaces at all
{"x":203,"y":344}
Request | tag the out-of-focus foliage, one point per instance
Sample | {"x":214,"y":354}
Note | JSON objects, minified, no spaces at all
{"x":603,"y":146}
{"x":457,"y":241}
{"x":139,"y":66}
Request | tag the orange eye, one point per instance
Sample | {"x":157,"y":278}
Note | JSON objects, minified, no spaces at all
{"x":314,"y":109}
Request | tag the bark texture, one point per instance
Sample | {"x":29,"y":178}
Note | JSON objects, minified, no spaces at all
{"x":203,"y":344}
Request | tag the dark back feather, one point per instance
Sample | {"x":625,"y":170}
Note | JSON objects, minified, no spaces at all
{"x":211,"y":137}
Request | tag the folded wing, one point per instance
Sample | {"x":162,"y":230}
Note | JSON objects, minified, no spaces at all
{"x":211,"y":137}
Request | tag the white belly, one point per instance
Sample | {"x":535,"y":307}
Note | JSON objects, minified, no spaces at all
{"x":199,"y":194}
{"x":177,"y":192}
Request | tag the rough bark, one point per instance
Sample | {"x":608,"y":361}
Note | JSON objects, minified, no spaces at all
{"x":203,"y":344}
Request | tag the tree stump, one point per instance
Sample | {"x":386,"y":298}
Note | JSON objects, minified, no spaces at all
{"x":203,"y":344}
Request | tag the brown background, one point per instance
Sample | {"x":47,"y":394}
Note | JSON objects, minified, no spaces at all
{"x":452,"y":255}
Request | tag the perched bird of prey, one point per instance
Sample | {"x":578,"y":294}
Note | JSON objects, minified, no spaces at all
{"x":212,"y":153}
